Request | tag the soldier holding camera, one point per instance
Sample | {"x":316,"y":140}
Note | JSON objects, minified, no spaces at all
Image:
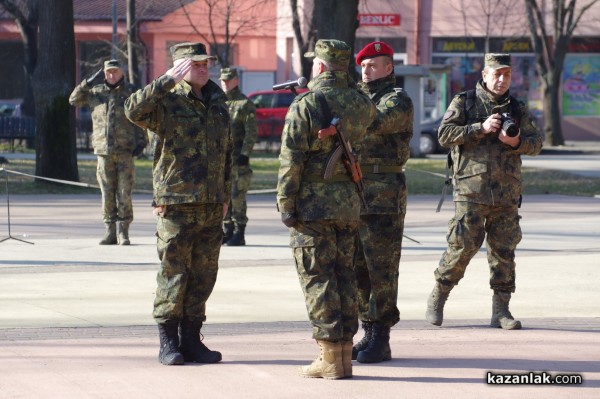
{"x":487,"y":131}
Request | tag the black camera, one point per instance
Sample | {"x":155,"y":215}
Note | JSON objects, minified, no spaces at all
{"x":509,"y":125}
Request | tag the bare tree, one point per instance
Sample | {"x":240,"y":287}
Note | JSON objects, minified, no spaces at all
{"x":493,"y":17}
{"x":550,"y":50}
{"x":226,"y":20}
{"x":25,"y":13}
{"x":304,"y":43}
{"x":53,"y":80}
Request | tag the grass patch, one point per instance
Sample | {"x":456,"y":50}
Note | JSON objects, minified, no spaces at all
{"x":423,"y":176}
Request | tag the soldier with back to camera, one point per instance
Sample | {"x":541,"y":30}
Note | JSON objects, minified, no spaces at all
{"x":322,"y":210}
{"x":487,"y":131}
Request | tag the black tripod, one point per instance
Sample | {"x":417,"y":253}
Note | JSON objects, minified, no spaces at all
{"x":8,"y":211}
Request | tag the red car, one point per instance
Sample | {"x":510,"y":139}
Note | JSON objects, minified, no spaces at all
{"x":271,"y":107}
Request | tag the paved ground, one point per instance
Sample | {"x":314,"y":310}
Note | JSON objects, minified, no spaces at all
{"x":75,"y":317}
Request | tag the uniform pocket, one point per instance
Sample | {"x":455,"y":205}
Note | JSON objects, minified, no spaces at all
{"x":455,"y":236}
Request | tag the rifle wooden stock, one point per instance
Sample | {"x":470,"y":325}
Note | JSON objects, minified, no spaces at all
{"x":349,"y":161}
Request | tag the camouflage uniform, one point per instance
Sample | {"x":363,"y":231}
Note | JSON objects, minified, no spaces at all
{"x":114,"y":140}
{"x":192,"y":177}
{"x":244,"y":131}
{"x":385,"y":151}
{"x":487,"y":188}
{"x":323,"y":240}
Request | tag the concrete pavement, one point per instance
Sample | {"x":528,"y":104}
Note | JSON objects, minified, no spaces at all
{"x":75,"y":317}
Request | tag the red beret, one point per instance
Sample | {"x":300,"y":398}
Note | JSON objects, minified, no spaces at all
{"x":373,"y":50}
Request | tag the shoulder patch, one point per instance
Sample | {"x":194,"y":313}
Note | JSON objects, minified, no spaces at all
{"x":392,"y":102}
{"x":449,"y":114}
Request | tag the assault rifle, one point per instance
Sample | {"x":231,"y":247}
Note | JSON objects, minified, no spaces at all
{"x":345,"y":153}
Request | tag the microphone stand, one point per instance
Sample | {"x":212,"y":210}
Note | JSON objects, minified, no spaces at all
{"x":10,"y":237}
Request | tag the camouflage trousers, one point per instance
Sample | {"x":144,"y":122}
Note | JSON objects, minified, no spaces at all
{"x":115,"y":175}
{"x":379,"y":247}
{"x":241,"y":178}
{"x":471,"y":224}
{"x":324,"y":252}
{"x":188,"y":243}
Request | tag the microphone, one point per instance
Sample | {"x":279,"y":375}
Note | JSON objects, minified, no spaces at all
{"x":301,"y":82}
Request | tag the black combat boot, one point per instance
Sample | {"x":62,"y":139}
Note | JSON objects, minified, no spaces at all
{"x":501,"y":316}
{"x":110,"y":236}
{"x":227,"y":231}
{"x":169,"y":341}
{"x":191,"y":345}
{"x":237,"y":239}
{"x":435,"y":303}
{"x":364,"y":342}
{"x":378,"y":349}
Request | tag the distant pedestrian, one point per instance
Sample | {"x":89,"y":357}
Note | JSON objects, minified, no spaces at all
{"x":487,"y":131}
{"x":323,"y":213}
{"x":116,"y":142}
{"x":244,"y":131}
{"x":192,"y":187}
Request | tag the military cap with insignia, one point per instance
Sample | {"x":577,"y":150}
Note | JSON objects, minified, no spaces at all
{"x":330,"y":50}
{"x":195,"y":51}
{"x":495,"y":60}
{"x":111,"y":64}
{"x":374,"y":49}
{"x":229,"y":73}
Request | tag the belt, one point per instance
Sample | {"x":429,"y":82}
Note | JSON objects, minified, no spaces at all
{"x":320,"y":179}
{"x":381,"y":168}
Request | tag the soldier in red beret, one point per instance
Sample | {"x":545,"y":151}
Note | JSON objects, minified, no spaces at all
{"x":384,"y":153}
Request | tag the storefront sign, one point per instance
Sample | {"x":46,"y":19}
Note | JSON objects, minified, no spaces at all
{"x":379,"y":19}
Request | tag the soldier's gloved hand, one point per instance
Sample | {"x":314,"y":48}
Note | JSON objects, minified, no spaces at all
{"x":138,"y":150}
{"x":289,"y":219}
{"x":91,"y":79}
{"x":243,"y":160}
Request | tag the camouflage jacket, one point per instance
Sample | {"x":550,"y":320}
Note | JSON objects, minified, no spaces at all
{"x":303,"y":155}
{"x":244,"y":129}
{"x":485,"y":170}
{"x":386,"y":145}
{"x":192,"y":163}
{"x":112,"y":132}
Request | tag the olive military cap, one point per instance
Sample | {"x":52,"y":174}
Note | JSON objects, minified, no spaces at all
{"x":111,"y":64}
{"x":334,"y":51}
{"x":195,"y":51}
{"x":229,"y":73}
{"x":497,"y":60}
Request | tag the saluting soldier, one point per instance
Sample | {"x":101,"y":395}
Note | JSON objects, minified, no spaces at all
{"x":116,"y":141}
{"x":192,"y":187}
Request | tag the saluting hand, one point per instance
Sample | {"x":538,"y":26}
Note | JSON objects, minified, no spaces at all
{"x":180,"y":69}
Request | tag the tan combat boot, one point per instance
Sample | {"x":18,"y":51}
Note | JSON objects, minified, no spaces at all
{"x":110,"y":237}
{"x":501,"y":316}
{"x":347,"y":358}
{"x":328,"y":364}
{"x":435,"y":303}
{"x":124,"y":233}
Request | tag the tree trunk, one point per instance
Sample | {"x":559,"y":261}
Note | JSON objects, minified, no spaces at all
{"x":53,"y":80}
{"x":337,"y":19}
{"x":132,"y":46}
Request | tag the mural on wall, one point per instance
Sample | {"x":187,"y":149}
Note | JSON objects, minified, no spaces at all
{"x":581,"y":85}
